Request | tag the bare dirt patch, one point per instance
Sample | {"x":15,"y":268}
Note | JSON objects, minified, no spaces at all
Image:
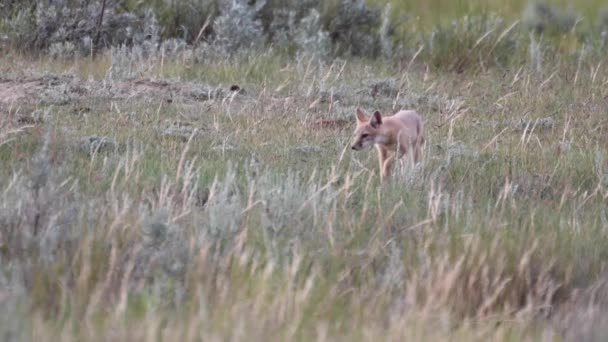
{"x":13,"y":91}
{"x":63,"y":90}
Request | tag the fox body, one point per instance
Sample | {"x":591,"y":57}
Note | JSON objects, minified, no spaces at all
{"x":393,"y":136}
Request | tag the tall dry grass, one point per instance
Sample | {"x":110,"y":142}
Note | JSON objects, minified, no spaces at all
{"x":254,"y":221}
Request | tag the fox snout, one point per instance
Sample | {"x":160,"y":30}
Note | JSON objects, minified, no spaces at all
{"x":360,"y":143}
{"x":357,"y":145}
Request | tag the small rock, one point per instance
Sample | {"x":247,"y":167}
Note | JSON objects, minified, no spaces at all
{"x":80,"y":110}
{"x":97,"y":144}
{"x":156,"y":227}
{"x":29,"y":120}
{"x":182,"y":133}
{"x":180,"y":130}
{"x":325,"y":96}
{"x":235,"y":88}
{"x":308,"y":149}
{"x":386,"y":88}
{"x":204,"y":93}
{"x":536,"y":125}
{"x":458,"y":149}
{"x":564,"y":146}
{"x":202,"y":196}
{"x":223,"y":147}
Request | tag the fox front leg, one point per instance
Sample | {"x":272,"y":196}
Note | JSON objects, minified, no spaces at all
{"x":386,"y":166}
{"x":382,"y":155}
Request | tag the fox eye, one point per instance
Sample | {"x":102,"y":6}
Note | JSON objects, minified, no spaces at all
{"x":364,"y":135}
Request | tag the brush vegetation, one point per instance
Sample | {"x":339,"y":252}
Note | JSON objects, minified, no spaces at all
{"x":194,"y":180}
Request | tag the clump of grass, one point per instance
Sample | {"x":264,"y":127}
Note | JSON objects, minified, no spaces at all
{"x":544,"y":18}
{"x":603,"y":27}
{"x":473,"y":43}
{"x":603,"y":20}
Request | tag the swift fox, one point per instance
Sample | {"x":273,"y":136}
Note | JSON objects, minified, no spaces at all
{"x":399,"y":133}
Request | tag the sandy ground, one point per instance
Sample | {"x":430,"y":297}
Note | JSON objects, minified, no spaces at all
{"x":63,"y":89}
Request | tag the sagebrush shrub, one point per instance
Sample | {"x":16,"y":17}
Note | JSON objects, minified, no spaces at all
{"x":337,"y":26}
{"x":197,"y":30}
{"x":72,"y":26}
{"x":67,"y":28}
{"x":310,"y":38}
{"x":19,"y":27}
{"x":129,"y":62}
{"x":281,"y":27}
{"x":353,"y":27}
{"x":185,"y":19}
{"x":238,"y":28}
{"x":385,"y":33}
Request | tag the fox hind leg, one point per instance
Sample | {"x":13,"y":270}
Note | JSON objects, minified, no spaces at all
{"x":417,"y":152}
{"x":418,"y":149}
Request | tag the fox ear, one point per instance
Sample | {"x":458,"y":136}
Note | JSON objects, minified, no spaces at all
{"x":376,"y":120}
{"x":361,"y":115}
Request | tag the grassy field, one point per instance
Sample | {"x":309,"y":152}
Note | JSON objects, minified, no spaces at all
{"x":144,"y":200}
{"x":433,"y":11}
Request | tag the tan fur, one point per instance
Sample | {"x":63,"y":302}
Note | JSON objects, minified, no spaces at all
{"x":399,"y":133}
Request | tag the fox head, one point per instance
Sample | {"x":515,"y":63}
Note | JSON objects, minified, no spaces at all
{"x":367,"y":132}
